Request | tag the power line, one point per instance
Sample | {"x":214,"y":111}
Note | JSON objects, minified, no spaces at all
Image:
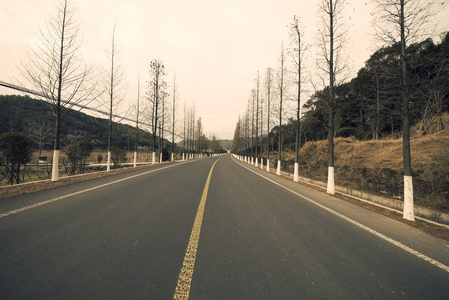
{"x":81,"y":107}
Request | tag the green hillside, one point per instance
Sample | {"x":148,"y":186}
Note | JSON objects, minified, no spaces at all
{"x":18,"y":113}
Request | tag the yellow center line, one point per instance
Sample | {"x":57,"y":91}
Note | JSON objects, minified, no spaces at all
{"x":185,"y":276}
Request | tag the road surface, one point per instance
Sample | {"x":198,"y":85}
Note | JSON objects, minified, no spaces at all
{"x":256,"y":236}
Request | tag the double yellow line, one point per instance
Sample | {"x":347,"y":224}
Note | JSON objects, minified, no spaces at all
{"x":185,"y":277}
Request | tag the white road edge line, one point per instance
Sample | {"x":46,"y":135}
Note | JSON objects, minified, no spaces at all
{"x":384,"y":237}
{"x":15,"y":211}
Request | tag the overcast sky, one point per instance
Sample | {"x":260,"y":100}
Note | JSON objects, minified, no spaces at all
{"x":214,"y":47}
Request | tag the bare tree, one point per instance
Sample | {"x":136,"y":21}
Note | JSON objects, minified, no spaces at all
{"x":333,"y":35}
{"x":199,"y":127}
{"x":281,"y":90}
{"x":174,"y":114}
{"x":56,"y":70}
{"x":296,"y":54}
{"x":115,"y":91}
{"x":257,"y":118}
{"x":39,"y":131}
{"x":165,"y":116}
{"x":404,"y":21}
{"x":184,"y":136}
{"x":268,"y":83}
{"x":137,"y":121}
{"x":253,"y":97}
{"x":154,"y":89}
{"x":236,"y":140}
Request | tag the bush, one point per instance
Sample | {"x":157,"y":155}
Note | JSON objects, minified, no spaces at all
{"x":77,"y":155}
{"x":15,"y":150}
{"x":118,"y":156}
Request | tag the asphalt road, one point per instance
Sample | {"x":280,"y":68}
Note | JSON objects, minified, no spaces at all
{"x":126,"y":236}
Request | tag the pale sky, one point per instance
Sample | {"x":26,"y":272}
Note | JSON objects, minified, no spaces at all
{"x":214,"y":47}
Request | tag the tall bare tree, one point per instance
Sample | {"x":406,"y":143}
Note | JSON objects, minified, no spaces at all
{"x":184,"y":126}
{"x":199,"y":127}
{"x":253,"y":97}
{"x":296,"y":53}
{"x":137,"y":121}
{"x":268,"y":83}
{"x":333,"y":35}
{"x":281,"y":90}
{"x":115,"y":91}
{"x":174,"y":115}
{"x":154,"y":90}
{"x":404,"y":21}
{"x":163,"y":119}
{"x":257,"y":118}
{"x":57,"y":71}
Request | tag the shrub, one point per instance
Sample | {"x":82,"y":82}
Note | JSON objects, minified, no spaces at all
{"x":77,"y":155}
{"x":15,"y":150}
{"x":118,"y":156}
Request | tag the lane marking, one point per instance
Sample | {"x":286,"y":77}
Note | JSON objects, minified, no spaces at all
{"x":15,"y":211}
{"x":185,"y":276}
{"x":370,"y":230}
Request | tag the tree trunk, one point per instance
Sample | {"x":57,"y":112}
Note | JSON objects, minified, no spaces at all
{"x":330,"y":179}
{"x":408,"y":182}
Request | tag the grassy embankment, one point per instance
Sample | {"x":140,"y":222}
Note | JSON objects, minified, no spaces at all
{"x":375,"y":166}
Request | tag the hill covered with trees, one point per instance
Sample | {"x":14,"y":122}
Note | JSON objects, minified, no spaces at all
{"x":24,"y":114}
{"x":369,"y":106}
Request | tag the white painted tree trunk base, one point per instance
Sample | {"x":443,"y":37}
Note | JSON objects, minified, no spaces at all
{"x":108,"y":168}
{"x":330,"y":181}
{"x":154,"y":158}
{"x":135,"y":159}
{"x":295,"y":174}
{"x":257,"y":162}
{"x":261,"y":163}
{"x":160,"y":158}
{"x":268,"y":165}
{"x":278,"y":171}
{"x":172,"y":157}
{"x":183,"y":157}
{"x":409,"y":213}
{"x":252,"y":161}
{"x":55,"y":166}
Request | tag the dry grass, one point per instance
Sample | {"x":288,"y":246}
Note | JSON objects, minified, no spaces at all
{"x":377,"y":165}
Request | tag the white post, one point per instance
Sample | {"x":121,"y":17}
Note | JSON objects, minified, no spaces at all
{"x":154,"y":158}
{"x":257,"y":162}
{"x":108,"y":168}
{"x":330,"y":181}
{"x":55,"y":168}
{"x":172,"y":156}
{"x":408,"y":214}
{"x":268,"y":165}
{"x":295,"y":174}
{"x":278,"y":171}
{"x":135,"y":159}
{"x":160,"y":158}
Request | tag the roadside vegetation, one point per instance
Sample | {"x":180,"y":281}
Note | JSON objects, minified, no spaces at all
{"x":84,"y":142}
{"x":368,"y":128}
{"x":375,"y":166}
